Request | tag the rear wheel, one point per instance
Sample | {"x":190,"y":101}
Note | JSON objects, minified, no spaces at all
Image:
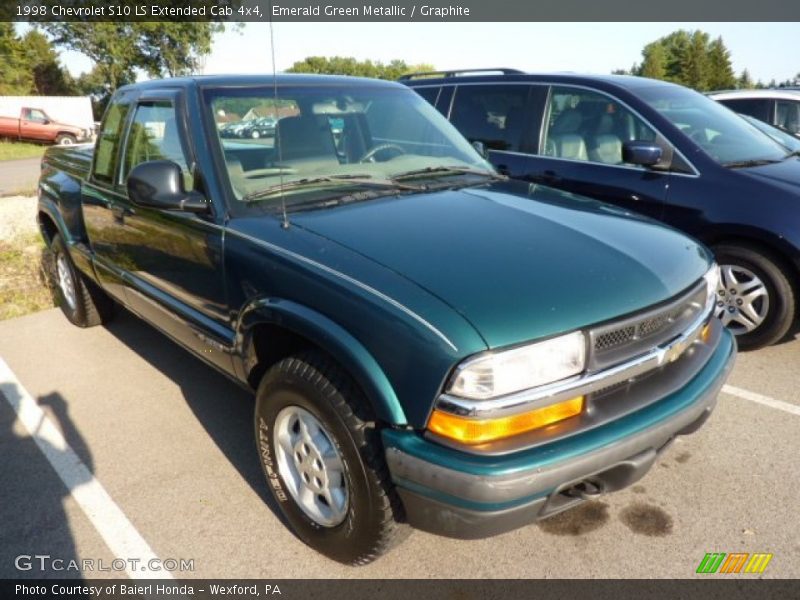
{"x":755,"y":299}
{"x":82,"y":302}
{"x":323,"y":460}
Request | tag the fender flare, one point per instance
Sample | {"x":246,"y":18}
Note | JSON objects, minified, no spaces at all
{"x":330,"y":337}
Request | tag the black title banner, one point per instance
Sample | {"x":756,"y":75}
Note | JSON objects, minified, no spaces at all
{"x":398,"y":10}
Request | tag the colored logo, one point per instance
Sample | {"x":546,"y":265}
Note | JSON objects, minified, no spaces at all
{"x":737,"y":562}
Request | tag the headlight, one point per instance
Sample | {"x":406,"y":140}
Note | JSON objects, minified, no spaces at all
{"x":509,"y":371}
{"x":712,"y":278}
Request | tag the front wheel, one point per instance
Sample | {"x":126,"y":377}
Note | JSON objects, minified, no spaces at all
{"x":755,"y":299}
{"x":82,"y":302}
{"x":323,"y":460}
{"x":66,"y":139}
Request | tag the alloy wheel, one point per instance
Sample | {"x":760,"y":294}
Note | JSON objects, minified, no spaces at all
{"x":311,"y":466}
{"x":742,"y":299}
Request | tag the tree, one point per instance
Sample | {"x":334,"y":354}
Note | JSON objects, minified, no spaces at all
{"x":720,"y":70}
{"x":339,"y":65}
{"x":745,"y":81}
{"x":120,"y":49}
{"x":49,"y":77}
{"x":15,"y":77}
{"x":654,"y":64}
{"x":688,"y":58}
{"x":175,"y":48}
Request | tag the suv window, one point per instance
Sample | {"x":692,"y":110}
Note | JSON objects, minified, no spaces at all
{"x":105,"y":155}
{"x":755,"y":107}
{"x":492,"y":114}
{"x":154,"y":136}
{"x":586,"y":125}
{"x":431,"y":94}
{"x":787,"y":115}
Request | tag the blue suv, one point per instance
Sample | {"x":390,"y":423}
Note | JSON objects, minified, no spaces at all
{"x":655,"y":148}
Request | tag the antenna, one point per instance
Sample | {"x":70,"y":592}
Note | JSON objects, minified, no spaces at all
{"x":277,"y":139}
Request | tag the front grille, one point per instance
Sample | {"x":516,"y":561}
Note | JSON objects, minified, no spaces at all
{"x":624,"y":339}
{"x":615,"y":338}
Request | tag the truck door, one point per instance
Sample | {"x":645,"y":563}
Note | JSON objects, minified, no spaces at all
{"x":34,"y":125}
{"x":101,"y":200}
{"x":172,"y":259}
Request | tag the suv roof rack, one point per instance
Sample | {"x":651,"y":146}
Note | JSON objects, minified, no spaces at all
{"x":457,"y":72}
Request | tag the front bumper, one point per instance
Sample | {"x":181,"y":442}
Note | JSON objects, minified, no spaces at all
{"x":456,"y":494}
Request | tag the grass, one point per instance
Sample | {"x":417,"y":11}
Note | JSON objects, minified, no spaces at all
{"x":15,"y":150}
{"x":25,"y":264}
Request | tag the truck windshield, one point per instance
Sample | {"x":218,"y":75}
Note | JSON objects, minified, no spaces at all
{"x":314,"y":141}
{"x":717,"y":130}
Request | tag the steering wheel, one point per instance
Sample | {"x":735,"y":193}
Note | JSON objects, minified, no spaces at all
{"x":370,"y":154}
{"x":268,"y":172}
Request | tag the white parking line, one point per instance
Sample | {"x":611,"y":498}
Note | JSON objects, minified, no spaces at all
{"x":761,"y":399}
{"x":105,"y":515}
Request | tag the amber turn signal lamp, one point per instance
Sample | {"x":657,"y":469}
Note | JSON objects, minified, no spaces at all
{"x":705,"y":335}
{"x":480,"y":431}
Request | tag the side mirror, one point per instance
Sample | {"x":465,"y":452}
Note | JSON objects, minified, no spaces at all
{"x":159,"y":184}
{"x":480,"y":148}
{"x":645,"y":154}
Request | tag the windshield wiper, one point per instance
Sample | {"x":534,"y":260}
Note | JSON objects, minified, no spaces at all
{"x":740,"y":164}
{"x":449,"y":170}
{"x":336,"y":179}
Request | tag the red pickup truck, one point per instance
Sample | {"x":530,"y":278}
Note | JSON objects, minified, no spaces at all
{"x":34,"y":124}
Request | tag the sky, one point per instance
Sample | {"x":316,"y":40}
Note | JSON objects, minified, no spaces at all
{"x":767,"y":50}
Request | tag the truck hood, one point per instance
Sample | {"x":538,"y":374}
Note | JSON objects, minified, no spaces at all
{"x":519,"y":262}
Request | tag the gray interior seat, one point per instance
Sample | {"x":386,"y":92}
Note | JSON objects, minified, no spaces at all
{"x":305,"y":138}
{"x":571,"y":145}
{"x":564,"y":138}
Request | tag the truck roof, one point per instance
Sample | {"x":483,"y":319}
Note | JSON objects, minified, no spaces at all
{"x":282,"y":79}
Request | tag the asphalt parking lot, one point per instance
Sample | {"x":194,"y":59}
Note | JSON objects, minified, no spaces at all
{"x":158,"y":451}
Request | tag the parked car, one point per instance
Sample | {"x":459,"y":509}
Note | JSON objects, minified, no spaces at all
{"x":783,"y":137}
{"x":779,"y":107}
{"x":258,"y":128}
{"x":33,"y":124}
{"x":655,"y":148}
{"x":427,"y":341}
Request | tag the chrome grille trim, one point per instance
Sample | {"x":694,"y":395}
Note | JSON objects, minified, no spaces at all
{"x":621,"y":340}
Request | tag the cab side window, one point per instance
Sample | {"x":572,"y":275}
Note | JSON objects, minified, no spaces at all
{"x":154,"y":135}
{"x":34,"y":114}
{"x":108,"y":143}
{"x":586,"y":125}
{"x":492,"y":114}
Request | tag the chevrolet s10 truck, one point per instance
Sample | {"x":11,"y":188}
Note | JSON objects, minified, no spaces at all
{"x":428,"y":342}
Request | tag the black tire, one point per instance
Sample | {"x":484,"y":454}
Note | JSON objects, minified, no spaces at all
{"x":91,"y":306}
{"x":316,"y":384}
{"x":66,"y":139}
{"x":782,"y":300}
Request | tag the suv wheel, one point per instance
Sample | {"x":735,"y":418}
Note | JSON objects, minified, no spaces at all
{"x":323,"y":460}
{"x":755,"y":300}
{"x":82,"y":302}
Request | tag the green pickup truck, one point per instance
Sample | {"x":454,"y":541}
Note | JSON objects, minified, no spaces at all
{"x":428,"y":342}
